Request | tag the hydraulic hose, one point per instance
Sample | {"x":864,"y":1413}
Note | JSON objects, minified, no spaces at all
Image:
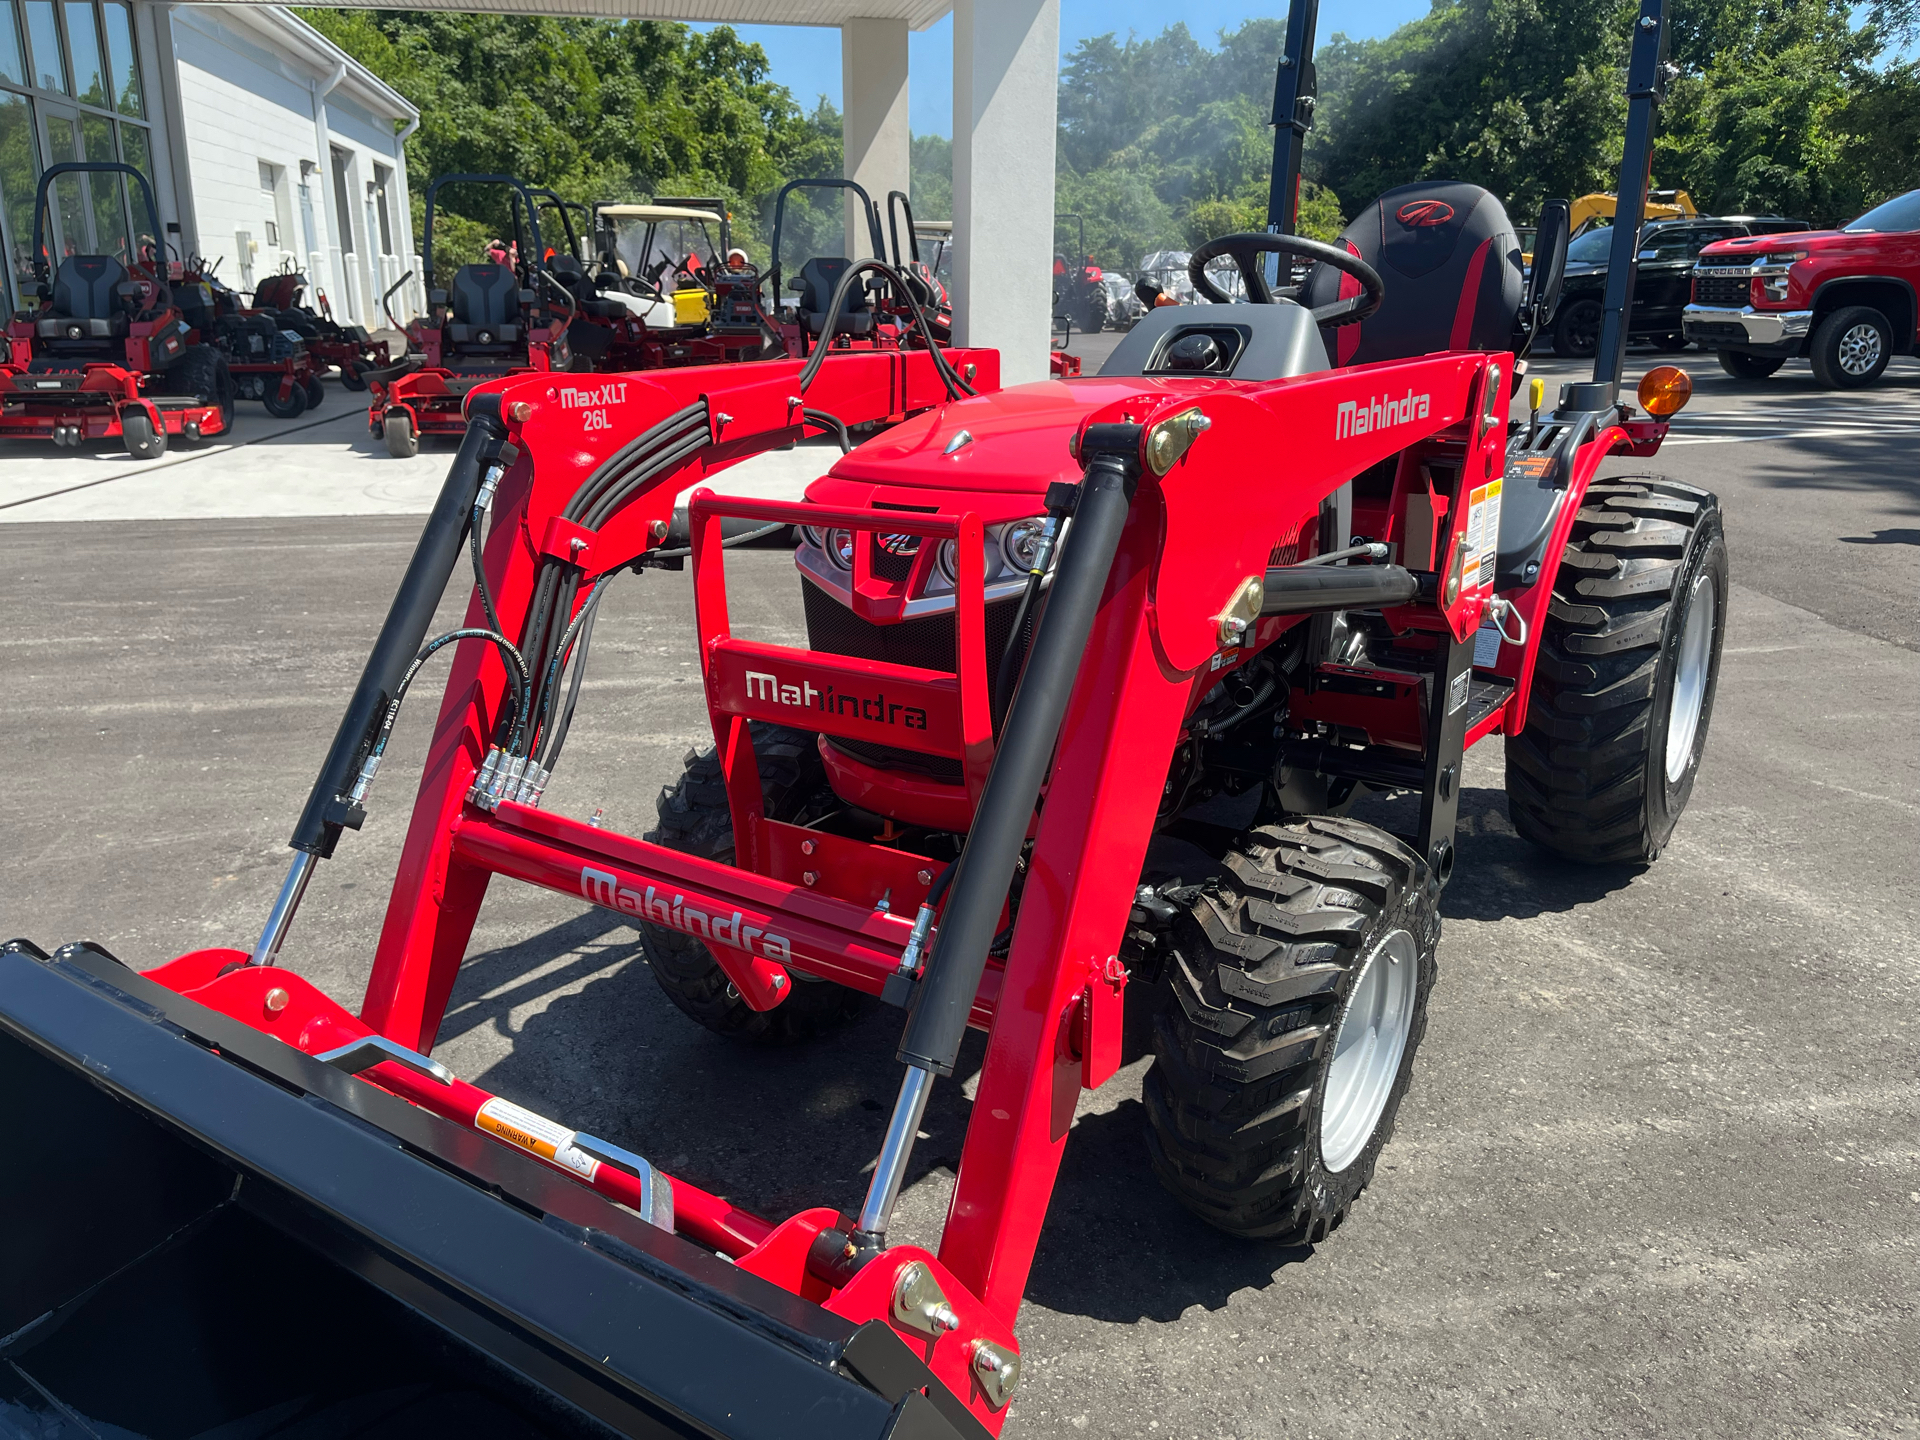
{"x":956,"y":387}
{"x":944,"y":999}
{"x":1310,"y":589}
{"x":435,"y":554}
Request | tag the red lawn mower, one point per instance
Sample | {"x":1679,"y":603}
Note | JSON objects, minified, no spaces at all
{"x":107,"y":351}
{"x":269,"y":361}
{"x":1096,"y":670}
{"x":503,"y":316}
{"x":348,"y":348}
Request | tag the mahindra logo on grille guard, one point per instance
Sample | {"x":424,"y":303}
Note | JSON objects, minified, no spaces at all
{"x":603,"y":888}
{"x":875,"y":708}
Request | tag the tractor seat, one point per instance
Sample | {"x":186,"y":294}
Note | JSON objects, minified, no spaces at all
{"x":818,"y":277}
{"x":1451,"y":262}
{"x":279,"y":292}
{"x":486,"y":305}
{"x":586,"y":293}
{"x":87,"y":304}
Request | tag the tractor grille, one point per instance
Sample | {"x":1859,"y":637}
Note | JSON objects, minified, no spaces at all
{"x":1725,"y":290}
{"x":927,"y":644}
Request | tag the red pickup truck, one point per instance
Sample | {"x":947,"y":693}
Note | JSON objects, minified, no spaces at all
{"x":1845,"y":299}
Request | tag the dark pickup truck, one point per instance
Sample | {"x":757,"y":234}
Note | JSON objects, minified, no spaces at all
{"x":1668,"y":249}
{"x":1843,"y":298}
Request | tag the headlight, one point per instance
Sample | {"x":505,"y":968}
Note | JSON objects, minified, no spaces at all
{"x":839,"y":548}
{"x":813,"y":537}
{"x":947,"y":557}
{"x":1772,"y":273}
{"x":1020,"y":544}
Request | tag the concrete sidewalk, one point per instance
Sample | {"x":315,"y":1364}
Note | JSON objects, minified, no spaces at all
{"x":324,"y":463}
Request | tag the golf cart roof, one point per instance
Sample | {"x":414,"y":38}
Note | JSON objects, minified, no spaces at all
{"x":938,"y":227}
{"x":654,"y":212}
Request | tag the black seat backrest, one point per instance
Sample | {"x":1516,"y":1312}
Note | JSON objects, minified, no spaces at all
{"x":485,"y":295}
{"x":1452,"y":267}
{"x":83,"y":287}
{"x":818,"y":277}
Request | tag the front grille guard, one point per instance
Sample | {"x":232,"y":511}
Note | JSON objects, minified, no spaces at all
{"x":873,"y":703}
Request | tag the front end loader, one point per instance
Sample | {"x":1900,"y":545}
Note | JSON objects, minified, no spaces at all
{"x":1096,"y":672}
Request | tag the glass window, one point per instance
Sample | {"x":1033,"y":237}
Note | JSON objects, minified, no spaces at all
{"x":381,"y":177}
{"x":43,"y":33}
{"x":342,"y":202}
{"x":69,"y":208}
{"x":13,"y":58}
{"x":134,"y":149}
{"x":1900,"y":213}
{"x":19,"y":169}
{"x":83,"y":46}
{"x":109,"y":206}
{"x":123,"y":61}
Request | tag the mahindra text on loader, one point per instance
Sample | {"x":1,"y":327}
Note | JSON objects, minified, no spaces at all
{"x":1275,"y":552}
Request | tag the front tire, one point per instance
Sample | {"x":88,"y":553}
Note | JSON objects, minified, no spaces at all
{"x":353,"y":375}
{"x":695,"y":820}
{"x":1743,"y":366}
{"x":1624,"y":683}
{"x":1297,"y":986}
{"x":316,"y":392}
{"x":1577,"y":332}
{"x":138,"y":434}
{"x":1850,"y":348}
{"x":290,"y":408}
{"x":397,"y":428}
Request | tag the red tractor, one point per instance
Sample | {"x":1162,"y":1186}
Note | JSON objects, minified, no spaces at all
{"x":506,"y":315}
{"x":107,"y":351}
{"x":347,"y":348}
{"x":1095,"y":671}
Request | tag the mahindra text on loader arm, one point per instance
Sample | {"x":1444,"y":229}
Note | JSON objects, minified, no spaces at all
{"x":1095,"y":669}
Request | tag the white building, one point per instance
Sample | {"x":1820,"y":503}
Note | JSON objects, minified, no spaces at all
{"x":267,"y":147}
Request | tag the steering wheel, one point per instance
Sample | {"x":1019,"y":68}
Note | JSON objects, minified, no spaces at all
{"x":1246,"y":248}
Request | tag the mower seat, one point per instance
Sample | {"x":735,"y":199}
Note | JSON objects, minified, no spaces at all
{"x":486,"y":305}
{"x":86,"y":301}
{"x":1451,"y":262}
{"x":279,"y":292}
{"x":580,"y":285}
{"x":818,"y":277}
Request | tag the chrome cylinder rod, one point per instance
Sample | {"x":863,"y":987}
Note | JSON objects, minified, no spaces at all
{"x":288,"y":901}
{"x":891,"y":1168}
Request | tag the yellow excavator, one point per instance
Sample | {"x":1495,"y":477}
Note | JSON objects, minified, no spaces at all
{"x":1589,"y":210}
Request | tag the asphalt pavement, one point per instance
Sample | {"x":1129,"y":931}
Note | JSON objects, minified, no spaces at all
{"x":1659,"y":1171}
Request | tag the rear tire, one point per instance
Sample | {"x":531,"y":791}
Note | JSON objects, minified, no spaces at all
{"x":143,"y":442}
{"x":402,"y":443}
{"x":316,"y":392}
{"x":290,"y":408}
{"x":1850,"y":348}
{"x":203,"y":374}
{"x":695,"y":820}
{"x":1623,"y":686}
{"x":1297,"y":995}
{"x":1743,"y":366}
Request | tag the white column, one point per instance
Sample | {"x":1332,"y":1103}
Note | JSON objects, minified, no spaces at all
{"x":879,"y":143}
{"x":1006,"y":63}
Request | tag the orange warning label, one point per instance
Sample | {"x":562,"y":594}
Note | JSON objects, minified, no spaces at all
{"x":535,"y":1134}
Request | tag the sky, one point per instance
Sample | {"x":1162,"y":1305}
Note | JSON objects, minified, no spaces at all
{"x":806,"y":59}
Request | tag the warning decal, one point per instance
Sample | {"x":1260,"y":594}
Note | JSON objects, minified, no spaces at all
{"x":1490,"y":532}
{"x":535,"y":1134}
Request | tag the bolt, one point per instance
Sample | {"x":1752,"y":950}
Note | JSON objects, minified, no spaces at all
{"x":806,"y":847}
{"x":577,"y":544}
{"x":945,"y":1318}
{"x":925,"y":877}
{"x":520,"y":412}
{"x":658,"y":529}
{"x":794,"y":402}
{"x":276,"y":1000}
{"x":722,"y":418}
{"x":812,"y":877}
{"x":779,"y":983}
{"x":1647,"y":22}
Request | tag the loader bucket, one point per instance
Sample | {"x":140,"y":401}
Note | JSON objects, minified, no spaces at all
{"x":204,"y":1230}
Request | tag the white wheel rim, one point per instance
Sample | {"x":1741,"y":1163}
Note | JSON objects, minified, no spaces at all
{"x":1367,"y":1049}
{"x":1860,"y":349}
{"x":1690,"y":678}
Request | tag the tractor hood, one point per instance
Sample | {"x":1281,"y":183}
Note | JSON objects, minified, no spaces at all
{"x":1011,"y":443}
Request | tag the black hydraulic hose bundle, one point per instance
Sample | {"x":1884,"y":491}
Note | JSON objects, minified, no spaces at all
{"x":984,"y":872}
{"x":956,"y":387}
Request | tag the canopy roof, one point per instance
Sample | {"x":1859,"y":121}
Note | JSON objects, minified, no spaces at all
{"x":919,"y":14}
{"x":653,"y":212}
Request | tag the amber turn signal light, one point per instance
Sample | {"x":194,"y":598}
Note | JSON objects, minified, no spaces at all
{"x":1664,"y":390}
